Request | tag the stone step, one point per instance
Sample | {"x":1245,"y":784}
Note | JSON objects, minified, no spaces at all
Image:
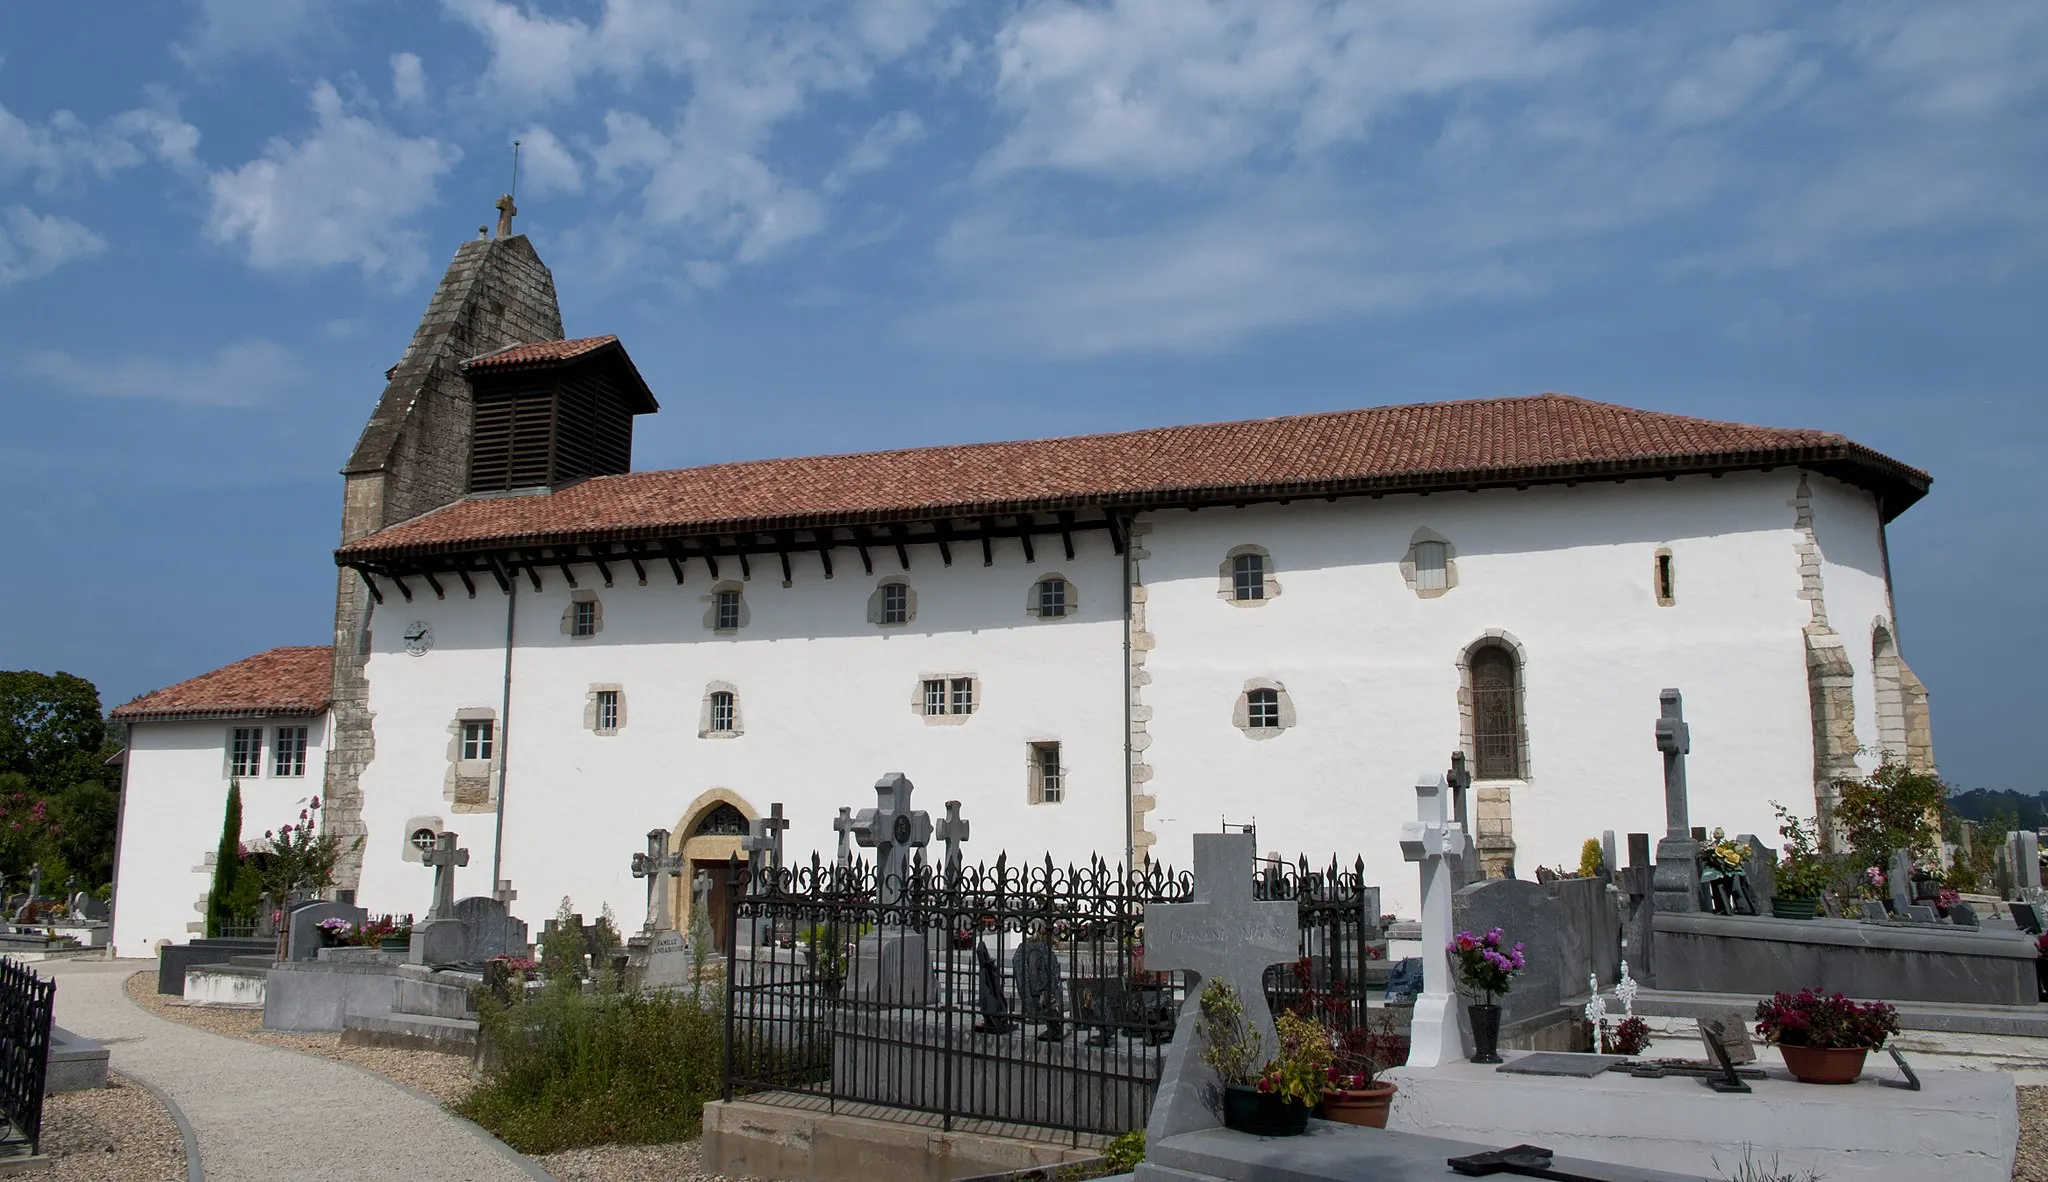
{"x":414,"y":1032}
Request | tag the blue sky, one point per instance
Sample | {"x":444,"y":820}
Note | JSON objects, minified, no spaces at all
{"x":897,"y":222}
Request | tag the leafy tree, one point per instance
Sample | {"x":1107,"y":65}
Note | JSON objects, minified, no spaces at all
{"x":88,"y":817}
{"x":51,"y":730}
{"x":2003,"y":809}
{"x":28,"y":831}
{"x":1893,"y":808}
{"x":227,"y":861}
{"x":300,"y":858}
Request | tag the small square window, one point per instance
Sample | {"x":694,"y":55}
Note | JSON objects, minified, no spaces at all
{"x":935,"y":696}
{"x":721,"y":711}
{"x":1430,"y":566}
{"x":245,"y":751}
{"x":288,"y":752}
{"x":607,"y":710}
{"x":1248,"y":576}
{"x":1262,"y":708}
{"x":1052,"y":599}
{"x":963,"y":695}
{"x":728,"y":611}
{"x":476,"y":739}
{"x":1048,"y":782}
{"x":585,"y":621}
{"x":895,"y":603}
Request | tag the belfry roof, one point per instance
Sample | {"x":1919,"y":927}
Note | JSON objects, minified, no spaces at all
{"x":1497,"y":442}
{"x":297,"y":679}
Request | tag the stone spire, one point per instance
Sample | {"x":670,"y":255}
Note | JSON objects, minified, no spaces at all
{"x":413,"y":456}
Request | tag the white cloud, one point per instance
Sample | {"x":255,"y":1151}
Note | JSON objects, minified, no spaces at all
{"x":408,"y":79}
{"x":65,"y":147}
{"x":247,"y":373}
{"x":33,"y":245}
{"x":341,"y":195}
{"x":545,"y":166}
{"x":875,"y":149}
{"x":228,"y":29}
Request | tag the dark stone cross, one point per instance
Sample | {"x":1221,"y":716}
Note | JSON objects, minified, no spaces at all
{"x":506,"y":212}
{"x":444,"y":858}
{"x":1677,"y":877}
{"x":658,"y":862}
{"x":1459,"y":779}
{"x":505,"y":893}
{"x":764,"y":847}
{"x":952,"y":830}
{"x":892,"y":829}
{"x":843,"y":825}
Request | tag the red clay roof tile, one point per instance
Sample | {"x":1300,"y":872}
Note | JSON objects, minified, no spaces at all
{"x":296,"y":679}
{"x":540,"y":352}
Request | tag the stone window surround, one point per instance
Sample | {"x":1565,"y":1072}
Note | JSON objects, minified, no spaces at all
{"x":949,"y":718}
{"x":1226,"y":577}
{"x":710,"y":600}
{"x":583,"y":595}
{"x":1031,"y":598}
{"x":1493,"y":824}
{"x":411,"y":852}
{"x":739,"y":719}
{"x":470,"y":784}
{"x":1467,"y":732}
{"x":1241,"y":712}
{"x":1425,"y":534}
{"x":590,"y":708}
{"x":909,"y":601}
{"x":1034,"y":786}
{"x":1664,"y":589}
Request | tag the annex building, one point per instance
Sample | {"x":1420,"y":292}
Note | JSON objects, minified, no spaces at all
{"x":1100,"y":645}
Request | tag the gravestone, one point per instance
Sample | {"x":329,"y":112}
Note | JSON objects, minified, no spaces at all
{"x":1639,"y":850}
{"x":657,"y":865}
{"x":1035,"y":966}
{"x":303,"y":940}
{"x":1872,"y":911}
{"x":441,"y":938}
{"x":1760,"y":863}
{"x":490,"y":928}
{"x":1440,"y":850}
{"x":1528,"y":914}
{"x":1898,"y":880}
{"x":1677,"y":878}
{"x":952,"y":830}
{"x":892,"y":829}
{"x":1224,"y":935}
{"x":764,"y":849}
{"x":1922,"y":913}
{"x":87,"y":908}
{"x":1963,"y":915}
{"x":842,"y":865}
{"x":1733,"y":1034}
{"x":2023,"y":850}
{"x":2026,"y":917}
{"x":657,"y":957}
{"x":893,"y":963}
{"x":1609,"y":866}
{"x":1458,"y":781}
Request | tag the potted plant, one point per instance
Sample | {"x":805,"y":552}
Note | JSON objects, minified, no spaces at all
{"x":1293,"y":1081}
{"x":1485,"y":965}
{"x":1804,"y":872}
{"x":1265,"y":1101}
{"x":1824,"y":1037}
{"x":1630,"y":1037}
{"x":335,"y":931}
{"x":1357,"y":1095}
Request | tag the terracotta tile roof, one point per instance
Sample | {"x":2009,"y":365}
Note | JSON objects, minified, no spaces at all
{"x":292,"y":680}
{"x":1507,"y":441}
{"x":539,"y":353}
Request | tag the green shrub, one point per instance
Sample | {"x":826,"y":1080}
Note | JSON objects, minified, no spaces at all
{"x":1124,"y":1153}
{"x":575,"y":1068}
{"x":1591,"y":859}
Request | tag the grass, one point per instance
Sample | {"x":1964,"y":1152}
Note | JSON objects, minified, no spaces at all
{"x":575,"y":1069}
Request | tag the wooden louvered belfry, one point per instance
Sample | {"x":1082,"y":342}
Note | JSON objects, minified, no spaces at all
{"x":551,"y":413}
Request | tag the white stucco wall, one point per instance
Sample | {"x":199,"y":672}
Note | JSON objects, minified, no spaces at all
{"x":171,"y":808}
{"x":826,"y":700}
{"x":1371,"y":667}
{"x":1846,"y":529}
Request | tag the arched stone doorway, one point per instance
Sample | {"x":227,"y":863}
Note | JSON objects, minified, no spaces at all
{"x":707,"y":837}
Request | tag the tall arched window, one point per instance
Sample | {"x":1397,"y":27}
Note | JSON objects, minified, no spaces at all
{"x":1496,"y":714}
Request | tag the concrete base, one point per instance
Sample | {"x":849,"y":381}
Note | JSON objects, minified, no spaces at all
{"x":1339,"y":1153}
{"x":75,"y":1064}
{"x":1962,"y":1127}
{"x":322,"y":995}
{"x":225,"y":985}
{"x":411,"y":1032}
{"x":1899,"y":963}
{"x":750,"y":1139}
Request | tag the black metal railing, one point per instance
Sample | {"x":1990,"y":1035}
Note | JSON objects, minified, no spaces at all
{"x":26,"y":1003}
{"x":1012,"y":993}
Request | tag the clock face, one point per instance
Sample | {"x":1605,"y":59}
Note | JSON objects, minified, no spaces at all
{"x":419,"y":637}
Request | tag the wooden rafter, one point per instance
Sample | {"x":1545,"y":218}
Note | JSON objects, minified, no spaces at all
{"x":1024,"y":535}
{"x":1067,"y":531}
{"x":988,"y":548}
{"x":467,"y":584}
{"x":402,"y":588}
{"x":370,"y":581}
{"x":434,"y":583}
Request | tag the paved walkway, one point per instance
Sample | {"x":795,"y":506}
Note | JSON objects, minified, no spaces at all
{"x":263,"y":1113}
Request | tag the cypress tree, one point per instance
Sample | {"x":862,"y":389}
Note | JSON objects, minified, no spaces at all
{"x":227,"y":860}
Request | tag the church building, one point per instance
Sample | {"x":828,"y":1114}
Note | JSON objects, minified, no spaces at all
{"x":1099,"y":645}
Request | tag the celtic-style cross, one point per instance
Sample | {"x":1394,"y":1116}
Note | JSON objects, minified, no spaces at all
{"x":952,"y":830}
{"x":892,"y":829}
{"x":653,"y":865}
{"x":444,"y":858}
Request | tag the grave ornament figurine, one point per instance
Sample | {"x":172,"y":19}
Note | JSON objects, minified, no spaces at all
{"x":1036,"y":967}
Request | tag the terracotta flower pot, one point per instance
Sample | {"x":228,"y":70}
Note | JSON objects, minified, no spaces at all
{"x":1824,"y":1065}
{"x":1262,"y":1114}
{"x":1366,"y":1106}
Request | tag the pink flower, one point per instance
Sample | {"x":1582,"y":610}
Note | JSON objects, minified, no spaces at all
{"x":316,"y":803}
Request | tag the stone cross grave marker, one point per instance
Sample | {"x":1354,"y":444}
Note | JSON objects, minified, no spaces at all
{"x":1458,"y":780}
{"x":952,"y":830}
{"x":1677,"y":879}
{"x":1223,"y":935}
{"x":764,"y":847}
{"x":1439,"y":848}
{"x":657,"y":863}
{"x":444,"y":857}
{"x":892,"y":829}
{"x":505,"y":894}
{"x":1609,"y":864}
{"x":1898,"y":879}
{"x":700,"y":896}
{"x":843,"y":825}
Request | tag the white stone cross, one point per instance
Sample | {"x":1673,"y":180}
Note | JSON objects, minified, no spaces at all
{"x":1223,"y":935}
{"x":892,"y":829}
{"x":505,"y":893}
{"x":765,"y":840}
{"x":843,"y":825}
{"x":952,"y":830}
{"x":654,"y":865}
{"x":444,"y":858}
{"x":1440,"y":847}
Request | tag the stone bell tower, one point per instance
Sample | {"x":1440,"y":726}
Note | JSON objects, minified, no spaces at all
{"x":413,"y":457}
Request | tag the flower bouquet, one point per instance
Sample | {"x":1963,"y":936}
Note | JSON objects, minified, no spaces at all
{"x":1824,"y":1037}
{"x":1485,"y":964}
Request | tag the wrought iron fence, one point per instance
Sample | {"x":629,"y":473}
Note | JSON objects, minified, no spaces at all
{"x":26,"y":1003}
{"x":1006,"y":993}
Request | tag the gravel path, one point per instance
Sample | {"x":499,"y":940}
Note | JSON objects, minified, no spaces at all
{"x":261,"y":1112}
{"x":118,"y":1133}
